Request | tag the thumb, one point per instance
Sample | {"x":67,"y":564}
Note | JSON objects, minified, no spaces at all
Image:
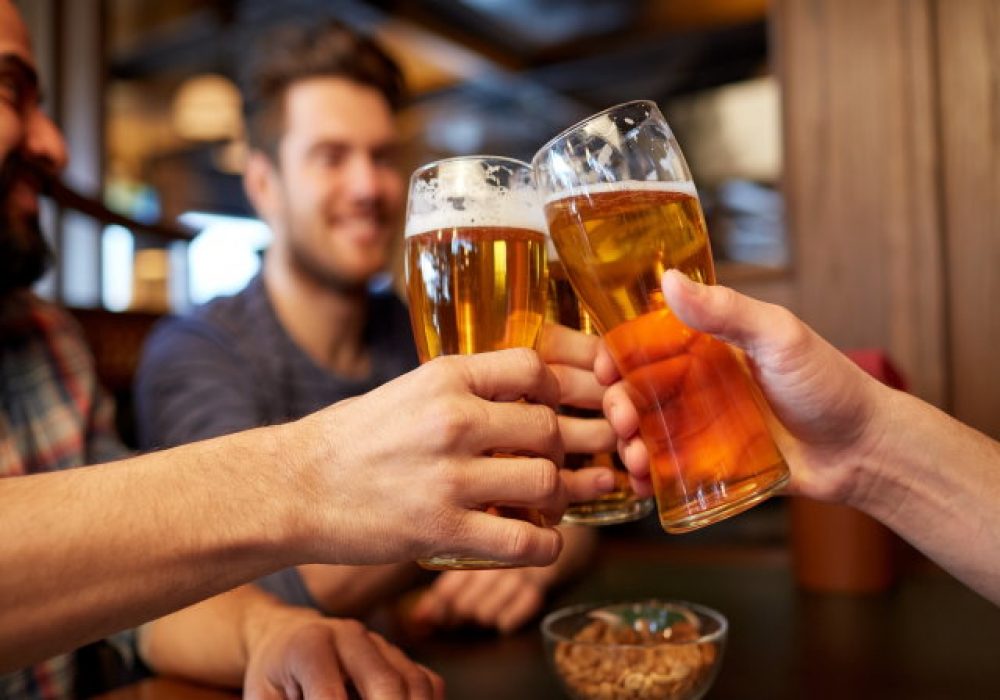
{"x":717,"y":310}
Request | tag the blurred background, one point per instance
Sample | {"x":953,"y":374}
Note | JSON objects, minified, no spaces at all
{"x":847,"y":154}
{"x":846,"y":151}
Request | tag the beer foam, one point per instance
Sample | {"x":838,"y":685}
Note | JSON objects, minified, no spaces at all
{"x":459,"y":197}
{"x":681,"y":187}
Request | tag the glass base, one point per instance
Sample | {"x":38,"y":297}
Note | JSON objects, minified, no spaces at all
{"x":446,"y":563}
{"x":608,"y":512}
{"x":743,"y":497}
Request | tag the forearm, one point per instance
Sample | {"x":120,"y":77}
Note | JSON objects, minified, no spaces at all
{"x":351,"y":591}
{"x":91,"y":551}
{"x":936,"y":482}
{"x":208,"y":642}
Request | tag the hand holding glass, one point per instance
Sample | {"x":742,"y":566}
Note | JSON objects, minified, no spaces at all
{"x":621,"y":209}
{"x":621,"y":505}
{"x":475,"y":267}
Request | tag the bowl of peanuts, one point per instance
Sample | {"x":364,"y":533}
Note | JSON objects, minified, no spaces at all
{"x":667,"y":650}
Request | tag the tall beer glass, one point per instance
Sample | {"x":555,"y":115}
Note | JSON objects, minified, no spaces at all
{"x":475,"y":267}
{"x":621,"y":209}
{"x":621,"y":505}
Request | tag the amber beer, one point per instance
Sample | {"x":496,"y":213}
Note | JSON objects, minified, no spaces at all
{"x":475,"y":271}
{"x":475,"y":288}
{"x":702,"y":417}
{"x":621,"y":504}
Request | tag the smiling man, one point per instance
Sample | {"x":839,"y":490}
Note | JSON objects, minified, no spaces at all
{"x":320,"y":104}
{"x":86,"y":551}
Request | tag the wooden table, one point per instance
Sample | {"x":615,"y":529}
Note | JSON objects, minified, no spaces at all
{"x":929,"y":637}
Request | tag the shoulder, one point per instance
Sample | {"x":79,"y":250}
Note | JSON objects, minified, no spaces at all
{"x":218,"y":326}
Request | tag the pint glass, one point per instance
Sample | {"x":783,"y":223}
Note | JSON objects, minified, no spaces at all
{"x":621,"y":505}
{"x":621,"y":209}
{"x":475,"y":267}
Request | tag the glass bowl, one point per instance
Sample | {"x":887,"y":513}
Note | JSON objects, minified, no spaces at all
{"x":640,"y":650}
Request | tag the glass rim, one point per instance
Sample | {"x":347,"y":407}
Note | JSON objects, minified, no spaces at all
{"x":562,"y":134}
{"x":712,"y":637}
{"x":471,"y":157}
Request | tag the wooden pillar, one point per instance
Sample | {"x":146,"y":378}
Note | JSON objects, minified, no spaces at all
{"x":862,"y":177}
{"x":968,"y":38}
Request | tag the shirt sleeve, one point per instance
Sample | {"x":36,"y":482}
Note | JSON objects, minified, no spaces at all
{"x":288,"y":585}
{"x":192,"y":385}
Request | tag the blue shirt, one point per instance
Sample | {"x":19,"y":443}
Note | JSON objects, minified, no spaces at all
{"x":230,"y":365}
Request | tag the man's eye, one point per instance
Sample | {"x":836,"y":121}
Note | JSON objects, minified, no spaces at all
{"x":389,"y":156}
{"x":331,"y":156}
{"x":10,"y":91}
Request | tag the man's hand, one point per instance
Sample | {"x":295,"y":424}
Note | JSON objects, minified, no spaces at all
{"x":500,"y":598}
{"x":571,"y":354}
{"x":505,"y":599}
{"x":822,"y":399}
{"x":405,"y":471}
{"x":301,"y":655}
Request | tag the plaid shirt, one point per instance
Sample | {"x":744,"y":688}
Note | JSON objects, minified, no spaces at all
{"x":53,"y":415}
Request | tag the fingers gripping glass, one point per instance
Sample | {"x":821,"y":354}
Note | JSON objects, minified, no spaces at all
{"x":475,"y":270}
{"x":621,"y":209}
{"x":620,"y":505}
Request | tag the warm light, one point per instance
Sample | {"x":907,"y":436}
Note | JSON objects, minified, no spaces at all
{"x":207,"y":108}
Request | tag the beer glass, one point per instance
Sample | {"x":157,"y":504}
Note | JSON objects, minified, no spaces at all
{"x":621,"y":209}
{"x":475,"y":268}
{"x":620,"y":505}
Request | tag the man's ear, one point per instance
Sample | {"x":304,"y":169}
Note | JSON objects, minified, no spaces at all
{"x":260,"y":183}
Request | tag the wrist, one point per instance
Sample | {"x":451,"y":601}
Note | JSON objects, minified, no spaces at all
{"x":876,"y":481}
{"x":264,"y":618}
{"x":299,"y":459}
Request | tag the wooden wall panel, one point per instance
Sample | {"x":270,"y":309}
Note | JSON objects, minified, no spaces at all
{"x":969,"y":57}
{"x":861,"y":177}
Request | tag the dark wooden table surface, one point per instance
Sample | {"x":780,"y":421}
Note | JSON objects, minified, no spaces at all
{"x":928,"y":637}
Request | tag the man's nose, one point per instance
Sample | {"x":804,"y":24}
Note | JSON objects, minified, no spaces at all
{"x":363,"y":177}
{"x":44,"y":142}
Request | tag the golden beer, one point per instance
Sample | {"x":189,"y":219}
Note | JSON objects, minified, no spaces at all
{"x":475,"y":272}
{"x":475,"y":289}
{"x":620,"y":505}
{"x":702,"y":417}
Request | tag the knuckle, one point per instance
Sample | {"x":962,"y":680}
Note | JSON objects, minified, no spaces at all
{"x":549,"y":422}
{"x":351,"y":626}
{"x":549,"y":482}
{"x":417,"y":680}
{"x":387,"y":683}
{"x":520,"y":544}
{"x":449,"y":422}
{"x":790,"y":331}
{"x":440,"y":372}
{"x":531,"y":361}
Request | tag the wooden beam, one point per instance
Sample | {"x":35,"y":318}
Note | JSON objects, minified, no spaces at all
{"x":968,"y":36}
{"x":862,"y":177}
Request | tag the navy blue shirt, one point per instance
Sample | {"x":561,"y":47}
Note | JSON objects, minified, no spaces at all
{"x":231,"y":366}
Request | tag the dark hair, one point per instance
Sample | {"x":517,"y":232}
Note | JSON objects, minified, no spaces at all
{"x":297,"y":52}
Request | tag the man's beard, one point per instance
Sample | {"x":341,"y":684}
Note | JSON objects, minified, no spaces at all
{"x":24,"y":253}
{"x":329,"y":279}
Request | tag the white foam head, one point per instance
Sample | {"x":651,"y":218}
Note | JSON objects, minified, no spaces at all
{"x":460,"y":197}
{"x":678,"y":186}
